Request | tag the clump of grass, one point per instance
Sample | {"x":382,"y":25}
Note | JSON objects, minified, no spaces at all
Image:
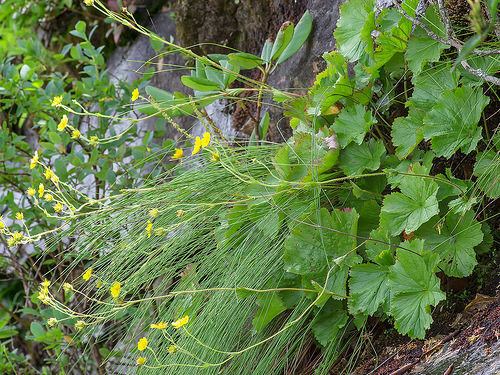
{"x":212,"y":250}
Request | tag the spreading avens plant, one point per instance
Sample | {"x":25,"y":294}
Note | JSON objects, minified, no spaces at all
{"x":247,"y":254}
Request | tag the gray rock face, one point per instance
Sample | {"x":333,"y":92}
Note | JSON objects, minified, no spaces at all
{"x":299,"y":71}
{"x":478,"y":359}
{"x":128,"y":63}
{"x":262,"y":21}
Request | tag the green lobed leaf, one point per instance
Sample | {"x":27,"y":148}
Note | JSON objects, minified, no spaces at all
{"x":487,"y":169}
{"x":430,"y":85}
{"x":369,"y":288}
{"x":414,"y":289}
{"x":355,"y":159}
{"x":270,"y":306}
{"x":450,"y":126}
{"x":354,"y":27}
{"x":381,"y":250}
{"x":352,"y":124}
{"x":454,"y":241}
{"x":413,"y":206}
{"x":422,"y":49}
{"x":321,"y":239}
{"x":329,"y":321}
{"x":407,"y":132}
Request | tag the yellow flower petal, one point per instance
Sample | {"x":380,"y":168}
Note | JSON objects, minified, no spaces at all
{"x":31,"y":192}
{"x":135,"y":95}
{"x":34,"y":160}
{"x":115,"y":289}
{"x":48,"y":173}
{"x":63,"y":123}
{"x":75,"y":134}
{"x":154,"y":213}
{"x":58,"y":207}
{"x":197,"y":146}
{"x":87,"y":274}
{"x":56,"y":102}
{"x":19,"y":216}
{"x":140,"y":361}
{"x":149,"y":228}
{"x":160,"y":325}
{"x":142,"y":344}
{"x":205,"y":140}
{"x":179,"y":153}
{"x":94,"y":140}
{"x":41,"y":190}
{"x":181,"y":322}
{"x":45,"y":283}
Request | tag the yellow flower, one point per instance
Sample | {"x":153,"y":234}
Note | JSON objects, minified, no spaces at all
{"x":15,"y":238}
{"x":48,"y":173}
{"x":41,"y":190}
{"x":154,"y":213}
{"x":115,"y":289}
{"x":181,"y":322}
{"x":2,"y":224}
{"x":31,"y":192}
{"x":34,"y":160}
{"x":56,"y":102}
{"x":172,"y":349}
{"x":45,"y":284}
{"x":142,"y":344}
{"x":215,"y":156}
{"x":63,"y":123}
{"x":205,"y":140}
{"x":160,"y":325}
{"x":54,"y":179}
{"x":51,"y":322}
{"x":75,"y":134}
{"x":180,"y":213}
{"x":197,"y":146}
{"x":67,"y":287}
{"x":149,"y":228}
{"x":43,"y":296}
{"x":140,"y":361}
{"x":19,"y":216}
{"x":79,"y":325}
{"x":88,"y":3}
{"x":48,"y":197}
{"x":135,"y":95}
{"x":179,"y":153}
{"x":93,"y":141}
{"x":87,"y":274}
{"x":58,"y":207}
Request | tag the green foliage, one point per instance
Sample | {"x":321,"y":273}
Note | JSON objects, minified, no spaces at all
{"x":447,"y":125}
{"x":412,"y":207}
{"x":265,"y":245}
{"x":414,"y":288}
